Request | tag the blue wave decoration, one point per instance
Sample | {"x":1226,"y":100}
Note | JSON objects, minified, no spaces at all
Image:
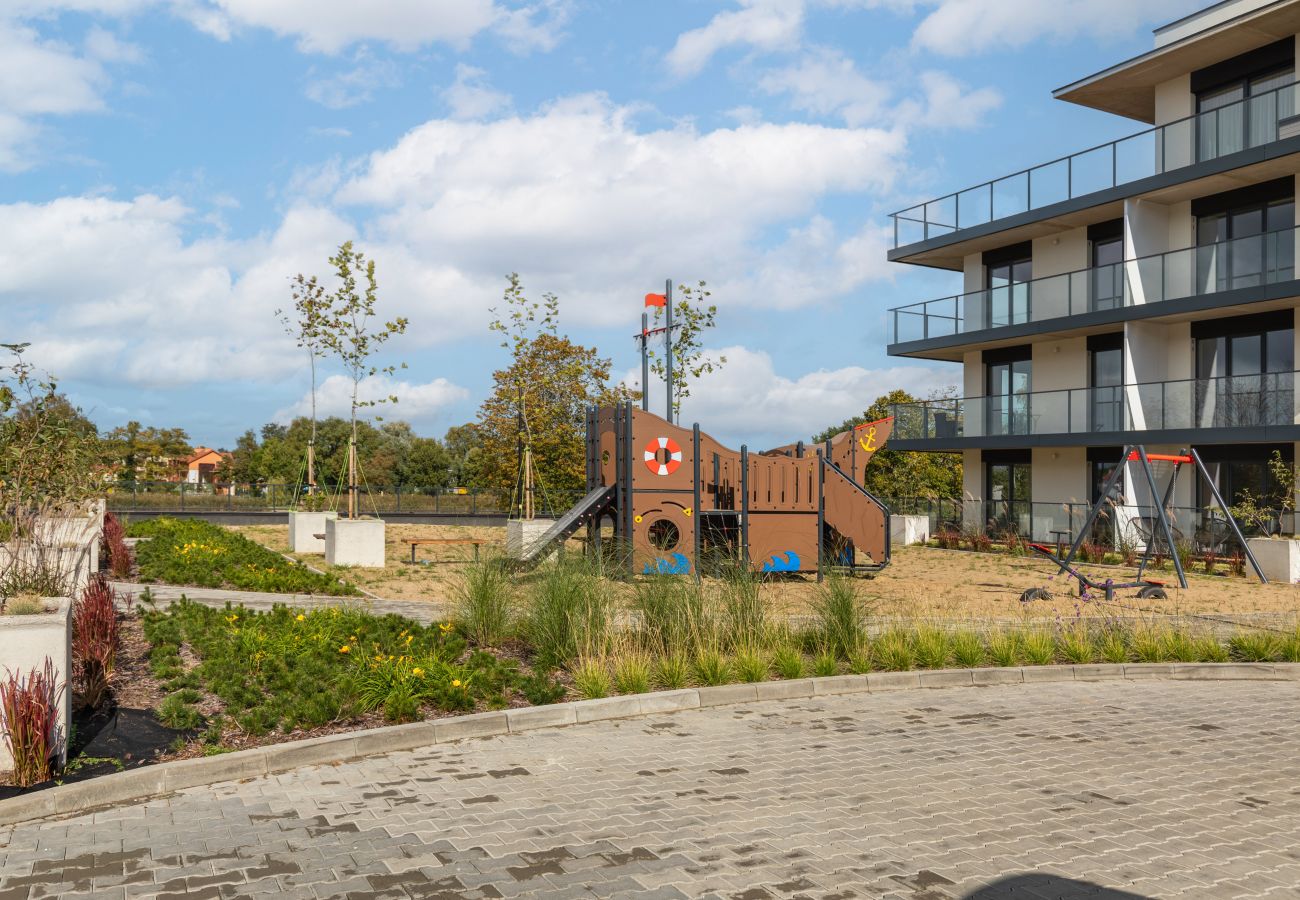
{"x":676,"y":564}
{"x":777,"y":564}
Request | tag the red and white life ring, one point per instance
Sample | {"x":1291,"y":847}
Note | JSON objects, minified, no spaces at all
{"x":668,"y":466}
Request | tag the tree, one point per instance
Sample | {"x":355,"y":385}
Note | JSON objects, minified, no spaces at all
{"x":346,"y":331}
{"x":138,"y":453}
{"x":896,"y":474}
{"x":464,"y":452}
{"x":538,"y":403}
{"x":312,"y":310}
{"x":692,"y":316}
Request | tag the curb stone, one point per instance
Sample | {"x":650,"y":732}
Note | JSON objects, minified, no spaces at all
{"x":151,"y":782}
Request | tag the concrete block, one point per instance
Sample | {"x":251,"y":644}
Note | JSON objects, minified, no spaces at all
{"x":607,"y":708}
{"x":395,"y":737}
{"x":303,"y":528}
{"x":322,"y":751}
{"x":1006,"y":675}
{"x":840,"y":684}
{"x":188,"y":773}
{"x":25,"y":643}
{"x":541,"y":717}
{"x":123,"y":787}
{"x":521,"y":534}
{"x":1278,"y":557}
{"x":785,"y":690}
{"x":726,"y":694}
{"x":486,"y":724}
{"x":1042,"y":674}
{"x":1099,"y":672}
{"x":355,"y":542}
{"x":892,"y":681}
{"x":907,"y":530}
{"x":670,"y":701}
{"x":1148,"y":670}
{"x":945,"y":678}
{"x":26,"y":807}
{"x":1287,"y":671}
{"x":1226,"y":672}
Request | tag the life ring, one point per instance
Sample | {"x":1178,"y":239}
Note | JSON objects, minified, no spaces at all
{"x":652,"y":456}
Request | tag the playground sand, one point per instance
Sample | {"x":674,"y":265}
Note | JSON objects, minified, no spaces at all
{"x":920,"y":583}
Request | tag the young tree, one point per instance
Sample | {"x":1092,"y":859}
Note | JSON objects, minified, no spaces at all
{"x":896,"y":474}
{"x":346,"y":331}
{"x":538,"y":403}
{"x":692,"y":316}
{"x":138,"y":453}
{"x":307,"y":327}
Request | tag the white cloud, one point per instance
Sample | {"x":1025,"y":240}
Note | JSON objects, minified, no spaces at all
{"x":764,"y":24}
{"x":354,"y":86}
{"x":967,"y":27}
{"x":826,"y":82}
{"x":471,"y":97}
{"x":748,"y":401}
{"x":535,"y":26}
{"x":947,"y":103}
{"x":416,"y":403}
{"x":108,"y":47}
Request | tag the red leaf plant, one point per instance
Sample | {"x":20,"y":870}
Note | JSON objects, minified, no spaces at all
{"x":94,"y":642}
{"x":119,"y":554}
{"x":29,"y":721}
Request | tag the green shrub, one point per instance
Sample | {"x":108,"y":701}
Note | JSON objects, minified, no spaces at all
{"x":1037,"y":647}
{"x":967,"y":649}
{"x":674,"y":615}
{"x":749,"y":666}
{"x":176,"y":713}
{"x":742,"y":605}
{"x":1074,"y":644}
{"x":1211,"y":649}
{"x":192,"y":551}
{"x":788,"y":662}
{"x":1291,"y":647}
{"x":1112,"y":646}
{"x":569,"y":613}
{"x":711,"y":668}
{"x":591,"y":678}
{"x":1148,"y":644}
{"x":485,"y":602}
{"x":860,"y":658}
{"x":632,"y":674}
{"x":931,"y":646}
{"x":671,"y":673}
{"x":1256,"y":646}
{"x":1181,"y":647}
{"x":1004,"y":648}
{"x":825,"y":664}
{"x":840,"y":612}
{"x":540,"y":689}
{"x":893,"y":651}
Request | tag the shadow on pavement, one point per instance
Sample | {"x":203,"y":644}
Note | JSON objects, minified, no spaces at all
{"x":1035,"y":886}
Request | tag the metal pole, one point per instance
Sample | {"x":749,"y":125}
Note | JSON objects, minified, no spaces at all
{"x":668,"y":345}
{"x":695,"y":509}
{"x":744,"y":506}
{"x":821,"y":510}
{"x":1254,"y":564}
{"x":1160,"y":511}
{"x":645,"y":362}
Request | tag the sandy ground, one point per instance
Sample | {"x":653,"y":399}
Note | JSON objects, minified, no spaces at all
{"x":921,"y":582}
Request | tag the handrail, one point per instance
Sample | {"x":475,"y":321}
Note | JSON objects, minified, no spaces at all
{"x":1151,"y":276}
{"x":1159,"y":162}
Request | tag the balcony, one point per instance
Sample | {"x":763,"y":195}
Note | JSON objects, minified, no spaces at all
{"x":1215,"y":134}
{"x":1252,"y":261}
{"x":1213,"y":407}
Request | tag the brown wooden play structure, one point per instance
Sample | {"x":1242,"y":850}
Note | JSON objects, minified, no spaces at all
{"x":679,"y":499}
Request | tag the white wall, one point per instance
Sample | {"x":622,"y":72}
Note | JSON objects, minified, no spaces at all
{"x":1207,"y":18}
{"x":1060,"y":477}
{"x":972,"y":486}
{"x":1158,"y":352}
{"x":973,"y":281}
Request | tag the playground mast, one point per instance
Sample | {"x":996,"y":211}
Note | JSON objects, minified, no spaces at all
{"x":664,"y":300}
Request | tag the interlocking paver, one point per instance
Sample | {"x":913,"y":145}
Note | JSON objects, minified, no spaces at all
{"x":1053,"y":790}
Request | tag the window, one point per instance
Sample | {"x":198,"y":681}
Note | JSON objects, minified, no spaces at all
{"x":1243,"y":112}
{"x":1106,"y":283}
{"x":1106,"y":363}
{"x":1244,"y":372}
{"x":1242,"y":472}
{"x":1008,"y":396}
{"x":1008,"y":290}
{"x":1246,"y":246}
{"x":1009,"y":492}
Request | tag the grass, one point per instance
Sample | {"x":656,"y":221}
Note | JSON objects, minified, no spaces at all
{"x":24,"y":605}
{"x":632,"y":674}
{"x":591,"y":679}
{"x":485,"y":602}
{"x":840,"y":613}
{"x":569,"y":613}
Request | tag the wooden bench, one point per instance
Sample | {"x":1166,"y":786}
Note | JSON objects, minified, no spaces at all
{"x":477,"y":542}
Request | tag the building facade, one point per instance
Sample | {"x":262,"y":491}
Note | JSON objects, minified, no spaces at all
{"x":1141,"y":291}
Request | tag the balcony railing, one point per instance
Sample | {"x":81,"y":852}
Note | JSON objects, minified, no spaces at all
{"x":1236,"y":401}
{"x":1251,"y":122}
{"x":1250,"y":261}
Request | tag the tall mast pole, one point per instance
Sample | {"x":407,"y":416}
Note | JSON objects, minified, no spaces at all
{"x":668,"y":345}
{"x":645,"y":362}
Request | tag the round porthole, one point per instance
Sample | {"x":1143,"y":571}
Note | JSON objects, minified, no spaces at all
{"x":664,"y":534}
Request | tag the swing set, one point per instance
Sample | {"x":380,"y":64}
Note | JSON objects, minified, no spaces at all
{"x":1147,"y":588}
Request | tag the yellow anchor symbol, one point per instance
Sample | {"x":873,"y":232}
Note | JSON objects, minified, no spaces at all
{"x":869,"y":442}
{"x":687,"y":512}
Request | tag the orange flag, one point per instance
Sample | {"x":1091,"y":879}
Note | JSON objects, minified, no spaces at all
{"x":656,"y":300}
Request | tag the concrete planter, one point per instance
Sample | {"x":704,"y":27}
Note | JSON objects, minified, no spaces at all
{"x":25,"y":642}
{"x":355,"y":542}
{"x":304,"y":528}
{"x":907,"y":530}
{"x":522,"y":534}
{"x":1278,"y":557}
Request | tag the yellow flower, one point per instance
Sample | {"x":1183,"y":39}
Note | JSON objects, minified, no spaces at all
{"x":417,"y":671}
{"x":345,"y":649}
{"x":445,"y":627}
{"x":301,"y":617}
{"x":455,"y":682}
{"x":409,"y":638}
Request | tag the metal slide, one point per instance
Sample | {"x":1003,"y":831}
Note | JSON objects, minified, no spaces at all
{"x":591,"y":506}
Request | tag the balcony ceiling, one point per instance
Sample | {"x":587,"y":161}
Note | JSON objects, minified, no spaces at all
{"x":951,"y":256}
{"x":1129,"y":89}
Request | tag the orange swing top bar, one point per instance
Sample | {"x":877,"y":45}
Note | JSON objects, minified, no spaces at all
{"x":1159,"y":457}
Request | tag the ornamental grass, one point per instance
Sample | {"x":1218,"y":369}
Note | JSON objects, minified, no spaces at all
{"x":29,"y":722}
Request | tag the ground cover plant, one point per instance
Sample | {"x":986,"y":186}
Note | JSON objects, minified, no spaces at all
{"x":194,"y":552}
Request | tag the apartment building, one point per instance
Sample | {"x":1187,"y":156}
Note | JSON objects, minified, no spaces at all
{"x":1140,"y":291}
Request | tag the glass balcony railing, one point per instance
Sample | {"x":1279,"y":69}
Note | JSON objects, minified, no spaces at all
{"x":1216,"y":133}
{"x":1234,"y":401}
{"x":1259,"y":259}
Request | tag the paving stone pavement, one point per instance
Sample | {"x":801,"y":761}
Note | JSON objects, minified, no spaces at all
{"x":1108,"y":790}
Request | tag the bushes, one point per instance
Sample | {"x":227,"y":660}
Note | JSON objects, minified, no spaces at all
{"x":120,"y":561}
{"x":841,"y":613}
{"x":94,"y":642}
{"x":569,"y":614}
{"x":29,"y":720}
{"x":485,"y":602}
{"x":192,"y":551}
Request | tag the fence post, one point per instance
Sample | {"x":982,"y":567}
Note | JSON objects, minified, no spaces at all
{"x":397,"y":491}
{"x":182,"y":496}
{"x":473,"y":503}
{"x":230,"y":496}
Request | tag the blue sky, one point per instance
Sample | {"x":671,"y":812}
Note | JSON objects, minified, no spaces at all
{"x":168,"y":165}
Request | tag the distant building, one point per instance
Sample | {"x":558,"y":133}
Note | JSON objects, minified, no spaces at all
{"x":202,"y":465}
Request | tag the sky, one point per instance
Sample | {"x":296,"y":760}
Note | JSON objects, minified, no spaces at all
{"x":166,"y":166}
